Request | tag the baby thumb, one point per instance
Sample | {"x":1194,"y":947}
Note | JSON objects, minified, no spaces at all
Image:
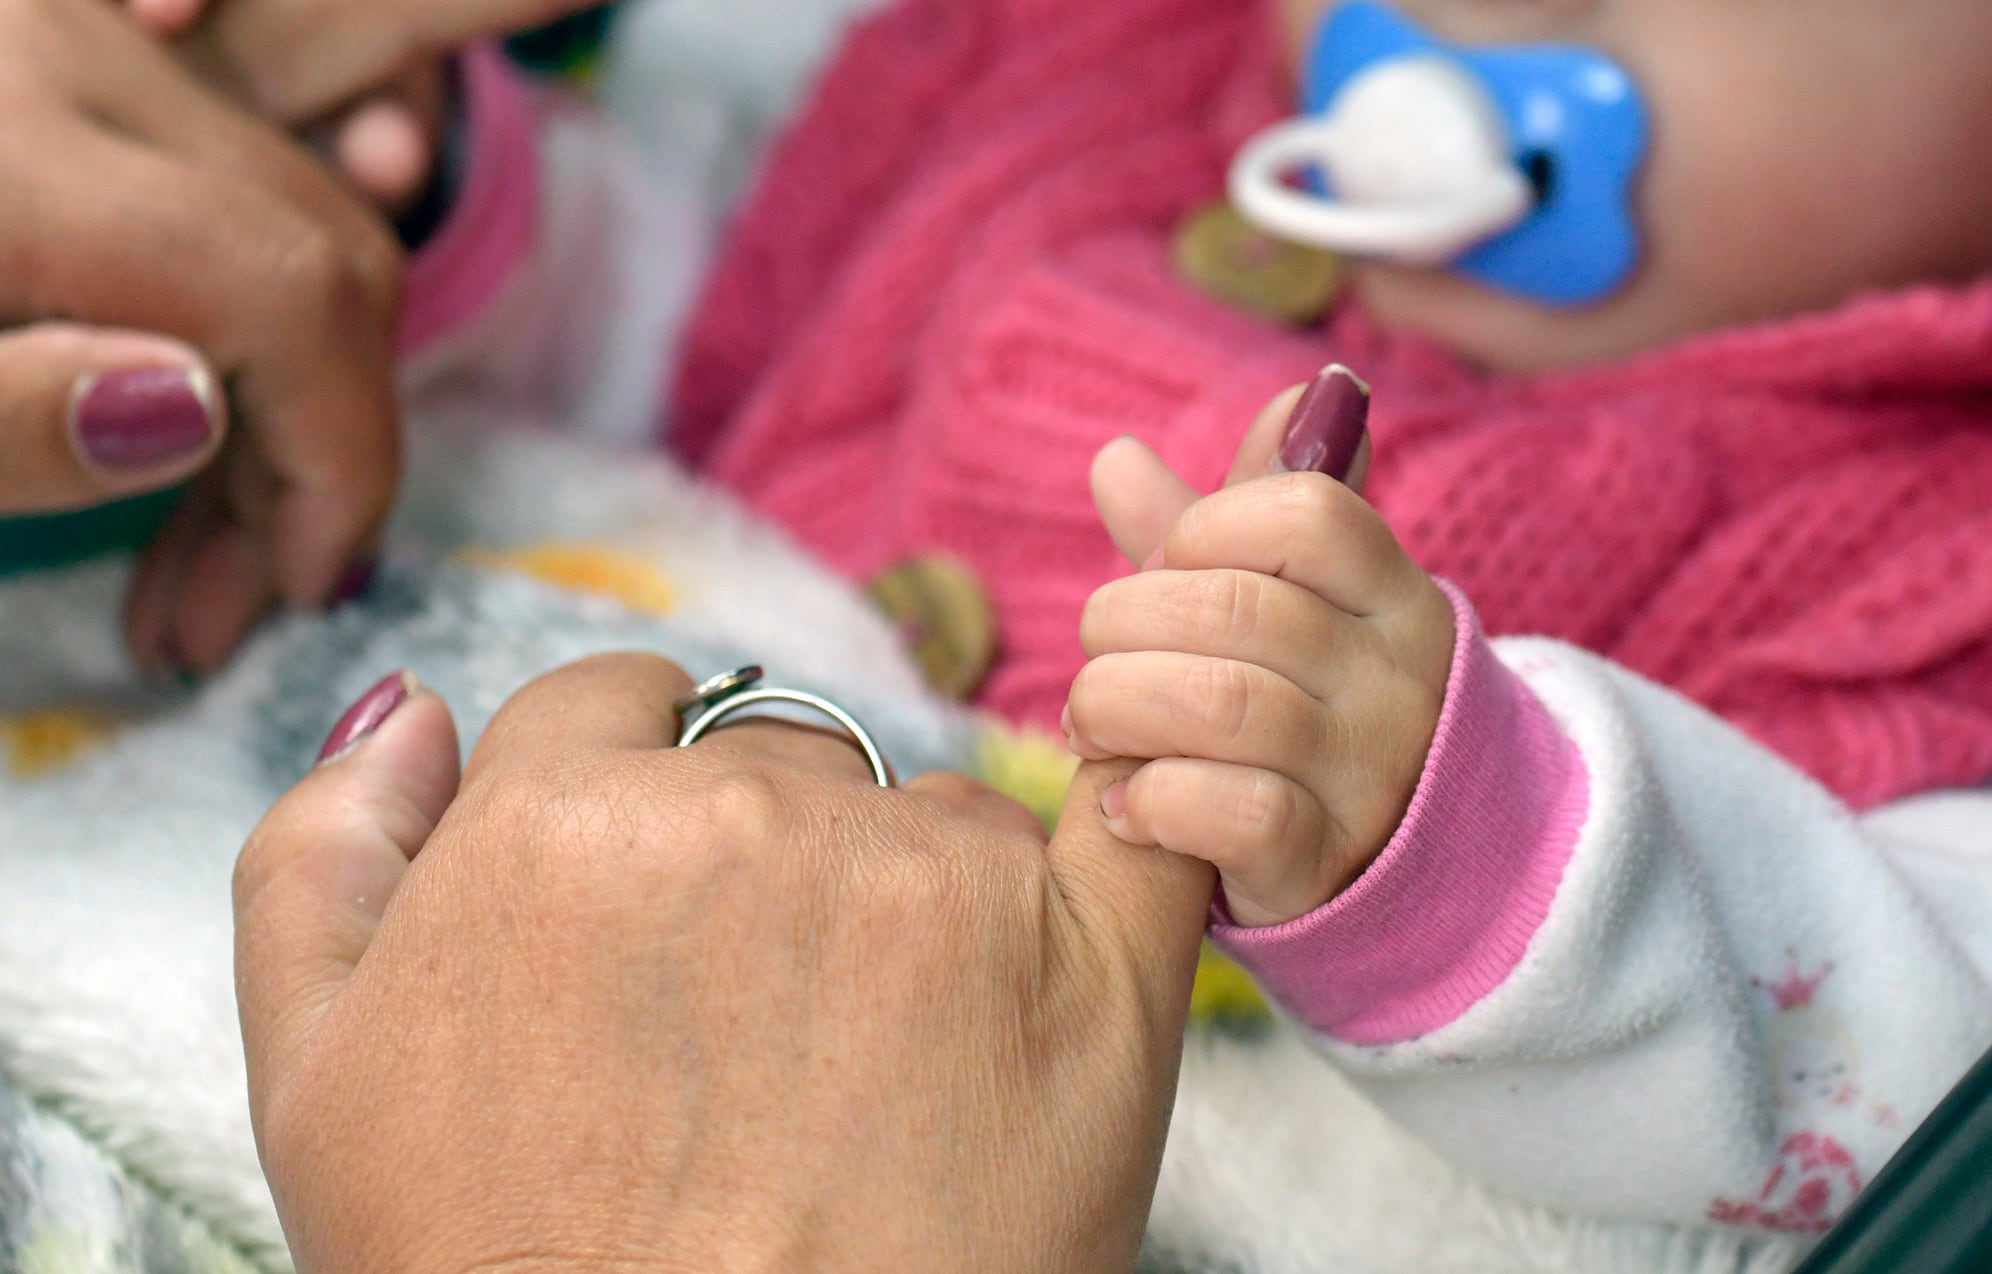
{"x":1139,"y":497}
{"x":316,"y":876}
{"x":1320,"y":427}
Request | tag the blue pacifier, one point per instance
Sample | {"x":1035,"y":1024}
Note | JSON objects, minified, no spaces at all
{"x":1513,"y":165}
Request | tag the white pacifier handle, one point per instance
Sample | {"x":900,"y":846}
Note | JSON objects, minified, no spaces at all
{"x":1416,"y":155}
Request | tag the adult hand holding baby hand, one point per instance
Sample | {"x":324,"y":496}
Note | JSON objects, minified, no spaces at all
{"x":158,"y":246}
{"x":297,"y":60}
{"x":602,"y":1003}
{"x":383,"y":136}
{"x":1279,"y":664}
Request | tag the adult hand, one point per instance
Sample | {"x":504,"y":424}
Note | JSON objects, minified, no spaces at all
{"x":384,"y":137}
{"x":295,"y":60}
{"x":611,"y":1005}
{"x":133,"y":200}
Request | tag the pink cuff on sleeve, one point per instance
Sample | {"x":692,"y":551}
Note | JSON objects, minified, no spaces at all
{"x":489,"y":230}
{"x":1442,"y":918}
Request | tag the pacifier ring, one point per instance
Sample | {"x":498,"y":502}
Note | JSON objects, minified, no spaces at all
{"x":730,"y":694}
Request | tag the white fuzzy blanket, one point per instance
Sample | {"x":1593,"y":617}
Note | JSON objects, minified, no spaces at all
{"x":116,"y":1017}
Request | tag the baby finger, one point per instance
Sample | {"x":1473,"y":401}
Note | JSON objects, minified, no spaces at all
{"x":1268,"y":837}
{"x":1147,"y":704}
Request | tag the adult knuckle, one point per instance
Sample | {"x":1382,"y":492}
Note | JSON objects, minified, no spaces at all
{"x":252,"y":865}
{"x":343,"y":274}
{"x":533,"y":806}
{"x":581,"y":833}
{"x":312,"y":264}
{"x":954,"y":792}
{"x":376,"y":264}
{"x":907,"y":892}
{"x":306,"y":817}
{"x":740,"y":810}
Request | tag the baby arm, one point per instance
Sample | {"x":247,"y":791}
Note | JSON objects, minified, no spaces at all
{"x":1608,"y":954}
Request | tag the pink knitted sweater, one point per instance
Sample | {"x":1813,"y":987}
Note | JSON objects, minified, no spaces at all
{"x":953,"y":286}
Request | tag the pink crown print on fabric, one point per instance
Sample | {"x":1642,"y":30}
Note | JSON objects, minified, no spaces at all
{"x":1795,"y":990}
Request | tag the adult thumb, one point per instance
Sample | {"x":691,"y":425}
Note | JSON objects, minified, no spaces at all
{"x":315,"y":878}
{"x":91,"y":414}
{"x":1319,"y":427}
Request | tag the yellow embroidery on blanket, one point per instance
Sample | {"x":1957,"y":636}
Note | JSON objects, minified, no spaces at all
{"x":43,"y":742}
{"x":1035,"y":769}
{"x":589,"y":568}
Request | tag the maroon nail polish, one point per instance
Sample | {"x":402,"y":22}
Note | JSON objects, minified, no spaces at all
{"x":367,"y":715}
{"x":1326,"y":428}
{"x":356,"y":583}
{"x":143,"y":417}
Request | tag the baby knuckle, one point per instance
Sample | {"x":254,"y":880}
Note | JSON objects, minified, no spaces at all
{"x":1265,"y":810}
{"x":1101,"y":616}
{"x":1313,"y":506}
{"x":1416,"y":715}
{"x":1237,"y":603}
{"x":1094,"y":694}
{"x":1222,"y":693}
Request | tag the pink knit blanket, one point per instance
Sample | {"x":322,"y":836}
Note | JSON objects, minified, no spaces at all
{"x":953,"y":285}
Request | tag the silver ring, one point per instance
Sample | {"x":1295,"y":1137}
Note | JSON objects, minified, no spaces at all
{"x":730,"y":694}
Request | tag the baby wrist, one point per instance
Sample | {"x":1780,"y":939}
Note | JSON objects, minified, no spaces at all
{"x":1443,"y":914}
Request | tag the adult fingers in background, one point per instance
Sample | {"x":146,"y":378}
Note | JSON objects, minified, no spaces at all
{"x":88,"y":415}
{"x":383,"y":138}
{"x":296,"y":60}
{"x":1140,"y":498}
{"x":131,"y":197}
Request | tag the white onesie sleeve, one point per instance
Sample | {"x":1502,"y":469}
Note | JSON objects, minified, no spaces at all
{"x":1621,"y":959}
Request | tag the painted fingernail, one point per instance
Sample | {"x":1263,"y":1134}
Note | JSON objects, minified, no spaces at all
{"x":1113,"y":801}
{"x":1326,"y":428}
{"x":367,"y":715}
{"x":356,"y":583}
{"x":144,"y":417}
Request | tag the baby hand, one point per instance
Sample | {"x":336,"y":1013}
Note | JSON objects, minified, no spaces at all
{"x":1280,"y":662}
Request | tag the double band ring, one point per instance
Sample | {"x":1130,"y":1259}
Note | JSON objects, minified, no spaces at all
{"x":724,"y":697}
